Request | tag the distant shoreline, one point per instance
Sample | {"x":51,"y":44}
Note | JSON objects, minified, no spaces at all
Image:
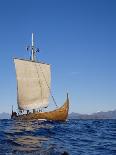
{"x":98,"y":115}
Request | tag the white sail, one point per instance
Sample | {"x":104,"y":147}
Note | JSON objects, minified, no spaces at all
{"x":33,"y":84}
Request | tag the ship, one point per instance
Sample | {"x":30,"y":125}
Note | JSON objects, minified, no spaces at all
{"x":34,"y":90}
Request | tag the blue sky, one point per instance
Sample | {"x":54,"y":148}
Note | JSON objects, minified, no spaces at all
{"x":78,"y":37}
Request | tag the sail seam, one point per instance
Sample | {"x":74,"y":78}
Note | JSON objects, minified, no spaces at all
{"x":39,"y":82}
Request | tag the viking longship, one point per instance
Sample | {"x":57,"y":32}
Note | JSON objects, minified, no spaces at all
{"x":33,"y":90}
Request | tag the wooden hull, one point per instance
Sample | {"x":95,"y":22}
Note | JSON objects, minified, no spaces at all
{"x":59,"y":114}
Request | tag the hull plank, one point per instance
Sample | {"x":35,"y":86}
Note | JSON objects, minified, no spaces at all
{"x":59,"y":114}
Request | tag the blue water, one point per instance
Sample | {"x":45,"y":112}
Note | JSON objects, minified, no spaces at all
{"x":75,"y":137}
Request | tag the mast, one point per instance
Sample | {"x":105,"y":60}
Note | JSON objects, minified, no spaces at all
{"x":34,"y":92}
{"x":32,"y":49}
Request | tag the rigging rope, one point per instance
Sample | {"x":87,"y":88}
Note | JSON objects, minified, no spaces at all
{"x":48,"y":87}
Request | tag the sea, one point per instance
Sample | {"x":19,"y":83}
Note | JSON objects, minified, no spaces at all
{"x":73,"y":137}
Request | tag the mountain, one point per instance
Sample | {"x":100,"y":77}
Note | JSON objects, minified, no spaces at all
{"x":4,"y":115}
{"x":98,"y":115}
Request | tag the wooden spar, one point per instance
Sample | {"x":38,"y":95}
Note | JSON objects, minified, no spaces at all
{"x":32,"y":50}
{"x":59,"y":114}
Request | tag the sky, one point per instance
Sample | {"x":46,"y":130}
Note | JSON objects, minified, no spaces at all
{"x":78,"y":39}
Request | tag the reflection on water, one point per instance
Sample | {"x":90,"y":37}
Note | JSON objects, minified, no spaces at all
{"x":29,"y":143}
{"x":31,"y":137}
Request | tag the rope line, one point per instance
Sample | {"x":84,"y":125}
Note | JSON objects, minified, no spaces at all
{"x":48,"y":87}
